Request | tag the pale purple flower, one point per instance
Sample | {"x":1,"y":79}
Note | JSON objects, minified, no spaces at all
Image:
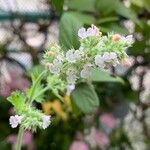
{"x":108,"y":120}
{"x":71,"y":76}
{"x":99,"y":61}
{"x":46,"y":121}
{"x":113,"y":55}
{"x":78,"y":54}
{"x":92,"y":31}
{"x":86,"y":71}
{"x":79,"y":145}
{"x":128,"y":39}
{"x":70,"y":88}
{"x":54,"y":69}
{"x":82,"y":33}
{"x":106,"y":57}
{"x":70,"y":56}
{"x":14,"y":121}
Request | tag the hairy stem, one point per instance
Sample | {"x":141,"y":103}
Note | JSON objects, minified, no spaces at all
{"x":19,"y":138}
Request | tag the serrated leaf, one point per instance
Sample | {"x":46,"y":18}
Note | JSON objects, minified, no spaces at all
{"x":18,"y":100}
{"x":85,"y":97}
{"x":69,"y":26}
{"x":101,"y":76}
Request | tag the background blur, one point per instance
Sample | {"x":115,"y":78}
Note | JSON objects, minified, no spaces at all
{"x":122,"y":121}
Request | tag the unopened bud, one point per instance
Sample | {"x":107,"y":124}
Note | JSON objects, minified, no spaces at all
{"x":116,"y":37}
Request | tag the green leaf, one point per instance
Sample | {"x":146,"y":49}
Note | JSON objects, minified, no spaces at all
{"x":69,"y":26}
{"x":106,"y":6}
{"x":101,"y":76}
{"x":17,"y":99}
{"x":85,"y":97}
{"x":107,"y":19}
{"x":82,"y":5}
{"x":36,"y":87}
{"x":84,"y":18}
{"x":115,"y":27}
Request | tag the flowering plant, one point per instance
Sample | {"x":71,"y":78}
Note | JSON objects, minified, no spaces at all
{"x":66,"y":70}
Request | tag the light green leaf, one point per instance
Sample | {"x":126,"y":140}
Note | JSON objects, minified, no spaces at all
{"x":69,"y":26}
{"x":17,"y":99}
{"x":101,"y":76}
{"x":85,"y":97}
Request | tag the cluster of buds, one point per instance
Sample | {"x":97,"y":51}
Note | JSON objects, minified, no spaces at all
{"x":95,"y":51}
{"x":30,"y":120}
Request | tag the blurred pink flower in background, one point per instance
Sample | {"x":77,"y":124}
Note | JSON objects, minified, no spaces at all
{"x":108,"y":120}
{"x":12,"y":81}
{"x":97,"y":138}
{"x":79,"y":145}
{"x":27,"y":140}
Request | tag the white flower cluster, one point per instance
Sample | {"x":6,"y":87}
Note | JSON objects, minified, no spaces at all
{"x":96,"y":52}
{"x":92,"y":31}
{"x":56,"y":65}
{"x":106,"y":60}
{"x":14,"y":121}
{"x":72,"y":56}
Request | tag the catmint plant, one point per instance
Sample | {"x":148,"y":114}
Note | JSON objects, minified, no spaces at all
{"x":63,"y":71}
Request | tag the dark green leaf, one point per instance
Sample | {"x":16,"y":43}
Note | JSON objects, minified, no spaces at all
{"x":69,"y":26}
{"x":101,"y":76}
{"x":82,"y":5}
{"x":58,"y":5}
{"x":85,"y":97}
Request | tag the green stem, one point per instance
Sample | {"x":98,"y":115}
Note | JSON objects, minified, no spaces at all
{"x":21,"y":130}
{"x":19,"y":138}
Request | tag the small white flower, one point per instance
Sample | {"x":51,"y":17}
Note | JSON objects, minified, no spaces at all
{"x":86,"y":71}
{"x":60,"y":58}
{"x":92,"y":31}
{"x":70,"y":88}
{"x":78,"y":54}
{"x":54,"y":69}
{"x":99,"y":61}
{"x":82,"y":33}
{"x":106,"y":57}
{"x":101,"y":43}
{"x":70,"y":56}
{"x":14,"y":121}
{"x":128,"y":39}
{"x":71,"y":76}
{"x":45,"y":121}
{"x":113,"y":55}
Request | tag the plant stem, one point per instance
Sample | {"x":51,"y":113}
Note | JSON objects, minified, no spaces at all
{"x":21,"y":130}
{"x":19,"y":138}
